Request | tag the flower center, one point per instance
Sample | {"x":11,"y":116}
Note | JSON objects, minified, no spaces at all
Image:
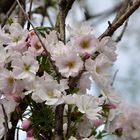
{"x":98,"y":70}
{"x":17,"y":39}
{"x":70,"y":64}
{"x":10,"y":81}
{"x":26,"y":67}
{"x":50,"y":94}
{"x":37,"y":46}
{"x":84,"y":44}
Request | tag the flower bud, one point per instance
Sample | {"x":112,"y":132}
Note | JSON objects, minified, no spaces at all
{"x":111,"y":105}
{"x":30,"y":133}
{"x":86,"y":56}
{"x":25,"y":124}
{"x":98,"y":122}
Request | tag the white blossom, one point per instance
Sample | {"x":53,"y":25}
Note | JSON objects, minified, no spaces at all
{"x":25,"y":67}
{"x":126,"y":118}
{"x":35,"y":47}
{"x":99,"y":68}
{"x":85,"y":44}
{"x":108,"y":48}
{"x":16,"y":38}
{"x":47,"y":89}
{"x":88,"y":105}
{"x":81,"y":28}
{"x":8,"y":83}
{"x":84,"y":82}
{"x":69,"y":64}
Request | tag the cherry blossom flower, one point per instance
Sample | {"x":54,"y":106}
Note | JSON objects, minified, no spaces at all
{"x":17,"y":37}
{"x":84,"y":128}
{"x":58,"y":50}
{"x":81,"y":28}
{"x":69,"y":99}
{"x":85,"y":44}
{"x":108,"y":48}
{"x":99,"y":68}
{"x":25,"y":67}
{"x":127,"y":119}
{"x":84,"y":82}
{"x":88,"y":105}
{"x":8,"y":83}
{"x":50,"y":42}
{"x":69,"y":64}
{"x":47,"y":89}
{"x":72,"y":138}
{"x":4,"y":37}
{"x":35,"y":45}
{"x":3,"y":57}
{"x":9,"y":107}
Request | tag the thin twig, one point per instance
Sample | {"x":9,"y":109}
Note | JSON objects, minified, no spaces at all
{"x":47,"y":14}
{"x":17,"y":133}
{"x":33,"y":27}
{"x":64,"y":8}
{"x":60,"y":108}
{"x":62,"y":17}
{"x":122,"y":33}
{"x":9,"y":13}
{"x":114,"y":77}
{"x":6,"y":121}
{"x":130,"y":10}
{"x":59,"y":122}
{"x":106,"y":13}
{"x":21,"y":18}
{"x":69,"y":120}
{"x":29,"y":14}
{"x":121,"y":10}
{"x":42,"y":21}
{"x":49,"y":18}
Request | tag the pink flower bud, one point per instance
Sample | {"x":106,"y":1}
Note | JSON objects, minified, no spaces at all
{"x":111,"y":105}
{"x":25,"y":124}
{"x":30,"y":133}
{"x":17,"y":99}
{"x":98,"y":122}
{"x":86,"y":56}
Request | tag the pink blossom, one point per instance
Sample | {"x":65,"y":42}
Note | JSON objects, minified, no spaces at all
{"x":35,"y":45}
{"x":108,"y":48}
{"x":69,"y":64}
{"x":25,"y":124}
{"x":25,"y":67}
{"x":85,"y":44}
{"x":8,"y":83}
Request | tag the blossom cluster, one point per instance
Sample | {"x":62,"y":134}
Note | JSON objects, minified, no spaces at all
{"x":53,"y":72}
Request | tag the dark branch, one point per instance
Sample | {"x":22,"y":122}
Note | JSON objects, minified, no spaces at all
{"x":9,"y":12}
{"x":130,"y":10}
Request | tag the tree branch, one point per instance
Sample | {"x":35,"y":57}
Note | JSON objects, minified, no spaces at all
{"x":60,"y":23}
{"x":13,"y":6}
{"x":6,"y":122}
{"x":130,"y":10}
{"x":64,"y":8}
